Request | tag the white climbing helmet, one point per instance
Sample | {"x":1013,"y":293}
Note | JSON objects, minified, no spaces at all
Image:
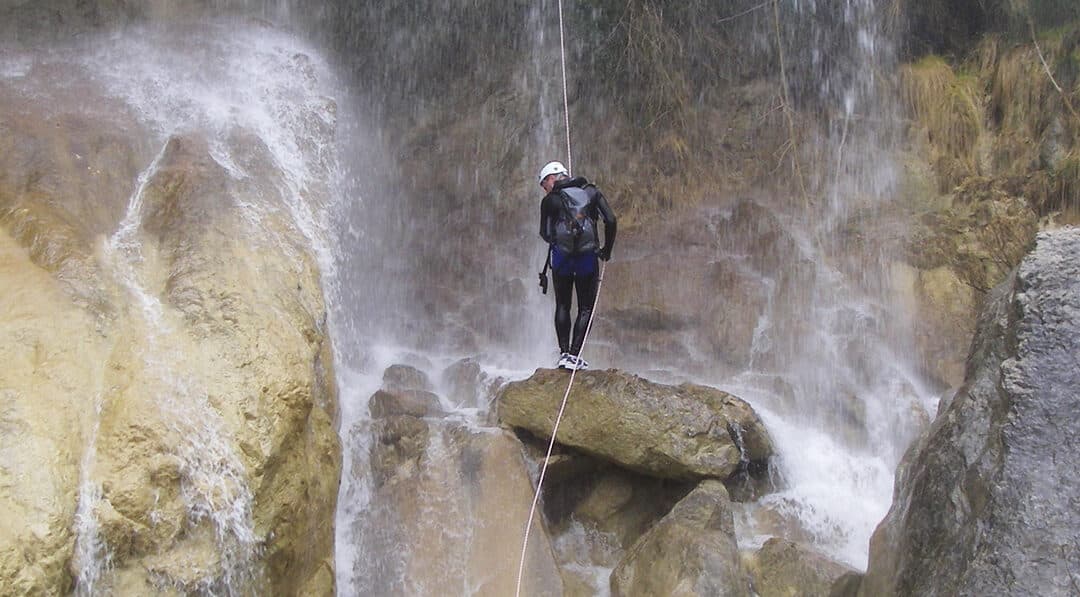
{"x":552,"y":168}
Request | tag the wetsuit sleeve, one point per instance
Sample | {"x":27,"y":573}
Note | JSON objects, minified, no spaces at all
{"x":609,"y":222}
{"x":547,"y":222}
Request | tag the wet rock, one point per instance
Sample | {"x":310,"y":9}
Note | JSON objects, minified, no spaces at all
{"x":183,"y":370}
{"x":625,"y":505}
{"x":405,"y":377}
{"x":783,"y":568}
{"x":847,"y":585}
{"x":568,"y":465}
{"x":416,"y":403}
{"x":47,"y":402}
{"x":778,"y":518}
{"x":606,"y":499}
{"x":577,"y":584}
{"x":958,"y":254}
{"x":444,"y":489}
{"x":704,"y":305}
{"x":691,"y":551}
{"x":677,"y":432}
{"x":986,"y":501}
{"x":400,"y":442}
{"x":462,"y":381}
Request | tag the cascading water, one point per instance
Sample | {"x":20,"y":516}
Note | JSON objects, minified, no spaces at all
{"x":403,"y":284}
{"x":264,"y":105}
{"x":850,"y":368}
{"x":829,"y":369}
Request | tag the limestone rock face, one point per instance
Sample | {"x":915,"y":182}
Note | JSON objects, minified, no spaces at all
{"x":711,"y":278}
{"x":986,"y":501}
{"x":676,"y":432}
{"x":689,"y":552}
{"x":167,"y":387}
{"x":957,"y":254}
{"x":784,"y":568}
{"x":47,"y":395}
{"x":448,"y":510}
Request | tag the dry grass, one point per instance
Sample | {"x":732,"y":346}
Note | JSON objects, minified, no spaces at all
{"x":1065,"y":196}
{"x":1019,"y":91}
{"x":949,"y":111}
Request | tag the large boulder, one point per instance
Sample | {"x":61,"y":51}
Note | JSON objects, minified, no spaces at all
{"x":447,"y":509}
{"x":417,"y":403}
{"x":783,"y":568}
{"x":690,"y":552}
{"x":986,"y":501}
{"x":168,"y":395}
{"x":676,"y":432}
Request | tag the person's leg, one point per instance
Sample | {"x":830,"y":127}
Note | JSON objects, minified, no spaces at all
{"x":564,"y":295}
{"x":586,"y":297}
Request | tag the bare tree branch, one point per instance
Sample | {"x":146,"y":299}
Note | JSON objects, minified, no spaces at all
{"x":1049,"y":73}
{"x":744,"y":13}
{"x":787,"y":103}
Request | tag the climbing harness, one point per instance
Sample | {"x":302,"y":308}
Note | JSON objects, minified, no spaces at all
{"x":588,"y":327}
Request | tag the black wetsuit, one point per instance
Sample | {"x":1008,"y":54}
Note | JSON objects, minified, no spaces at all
{"x":570,"y":271}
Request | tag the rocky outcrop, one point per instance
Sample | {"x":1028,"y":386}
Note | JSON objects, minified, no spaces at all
{"x":784,"y":568}
{"x":168,"y":395}
{"x":448,"y":510}
{"x":986,"y":501}
{"x":713,"y":277}
{"x":676,"y":432}
{"x":691,"y":551}
{"x":956,"y":255}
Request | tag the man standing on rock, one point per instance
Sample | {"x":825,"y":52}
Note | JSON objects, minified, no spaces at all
{"x":568,"y":223}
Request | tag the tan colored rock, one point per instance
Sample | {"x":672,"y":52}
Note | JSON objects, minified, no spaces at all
{"x":416,"y":403}
{"x":777,"y":518}
{"x":679,"y":432}
{"x":619,"y":503}
{"x":702,"y":305}
{"x":405,"y":377}
{"x":462,"y":380}
{"x":448,"y":511}
{"x":690,"y":552}
{"x":957,"y":254}
{"x":182,"y":369}
{"x":783,"y":568}
{"x":48,"y":391}
{"x":946,"y":308}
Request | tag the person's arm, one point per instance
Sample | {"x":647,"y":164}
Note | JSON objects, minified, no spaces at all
{"x":546,"y":220}
{"x":610,"y":227}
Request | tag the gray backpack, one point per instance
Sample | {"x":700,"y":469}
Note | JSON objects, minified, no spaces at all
{"x":575,"y":231}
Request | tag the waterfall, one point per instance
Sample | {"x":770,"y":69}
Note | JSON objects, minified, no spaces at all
{"x":264,"y":104}
{"x":844,"y":339}
{"x":92,"y":559}
{"x":390,"y":168}
{"x":213,"y":481}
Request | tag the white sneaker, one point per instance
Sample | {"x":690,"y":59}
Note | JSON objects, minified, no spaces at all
{"x":578,"y":363}
{"x":565,"y":361}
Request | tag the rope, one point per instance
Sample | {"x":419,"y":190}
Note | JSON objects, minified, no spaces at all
{"x":588,"y":327}
{"x":554,"y":432}
{"x":565,"y":98}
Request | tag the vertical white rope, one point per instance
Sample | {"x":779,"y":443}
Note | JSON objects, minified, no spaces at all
{"x":588,"y":327}
{"x":565,"y":97}
{"x":554,"y":432}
